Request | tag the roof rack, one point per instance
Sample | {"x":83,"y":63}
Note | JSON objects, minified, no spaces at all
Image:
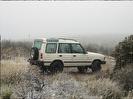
{"x":52,"y":40}
{"x":67,"y":39}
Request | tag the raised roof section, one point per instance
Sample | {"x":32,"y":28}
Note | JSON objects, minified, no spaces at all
{"x":61,"y":40}
{"x":65,"y":40}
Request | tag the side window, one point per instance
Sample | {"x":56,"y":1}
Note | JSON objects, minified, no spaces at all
{"x":76,"y":48}
{"x":51,"y":48}
{"x":64,"y":48}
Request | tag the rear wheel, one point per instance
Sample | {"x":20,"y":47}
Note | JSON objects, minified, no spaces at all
{"x":96,"y":66}
{"x":56,"y":67}
{"x":82,"y":69}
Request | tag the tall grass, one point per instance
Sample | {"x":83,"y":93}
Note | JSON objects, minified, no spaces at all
{"x":12,"y":49}
{"x":22,"y":80}
{"x":12,"y":70}
{"x":125,"y":77}
{"x":11,"y":74}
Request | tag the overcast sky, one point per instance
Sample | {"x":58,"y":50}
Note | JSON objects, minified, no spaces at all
{"x":99,"y":22}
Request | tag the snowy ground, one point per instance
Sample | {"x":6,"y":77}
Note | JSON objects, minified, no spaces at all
{"x":68,"y":85}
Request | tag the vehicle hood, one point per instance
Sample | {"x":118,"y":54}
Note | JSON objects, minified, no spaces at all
{"x":92,"y":53}
{"x":94,"y":56}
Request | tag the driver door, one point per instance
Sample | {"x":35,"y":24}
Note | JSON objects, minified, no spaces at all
{"x":80,"y":57}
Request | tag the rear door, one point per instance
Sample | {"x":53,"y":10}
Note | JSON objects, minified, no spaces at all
{"x":38,"y":44}
{"x":50,"y":53}
{"x":80,"y":57}
{"x":64,"y":53}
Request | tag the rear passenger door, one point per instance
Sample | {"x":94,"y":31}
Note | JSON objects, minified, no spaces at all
{"x":50,"y":53}
{"x":80,"y":57}
{"x":64,"y":53}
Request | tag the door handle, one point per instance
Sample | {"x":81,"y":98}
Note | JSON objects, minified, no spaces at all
{"x":60,"y":55}
{"x":74,"y":55}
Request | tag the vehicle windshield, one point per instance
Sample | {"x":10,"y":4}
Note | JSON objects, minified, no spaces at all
{"x":38,"y":44}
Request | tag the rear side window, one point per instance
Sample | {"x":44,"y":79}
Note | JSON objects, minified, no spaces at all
{"x":51,"y":48}
{"x":38,"y":44}
{"x":64,"y":48}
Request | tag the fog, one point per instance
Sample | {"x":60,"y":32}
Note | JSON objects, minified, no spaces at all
{"x":89,"y":22}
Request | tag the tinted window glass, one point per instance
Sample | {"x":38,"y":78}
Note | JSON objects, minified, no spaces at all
{"x":76,"y":48}
{"x":37,"y":44}
{"x":51,"y":48}
{"x":64,"y":48}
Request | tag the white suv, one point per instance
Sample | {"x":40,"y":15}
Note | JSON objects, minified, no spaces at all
{"x":55,"y":54}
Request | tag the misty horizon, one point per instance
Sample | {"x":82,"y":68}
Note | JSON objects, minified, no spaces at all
{"x":88,"y":22}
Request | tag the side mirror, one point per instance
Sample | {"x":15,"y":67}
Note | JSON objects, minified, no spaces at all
{"x":85,"y":52}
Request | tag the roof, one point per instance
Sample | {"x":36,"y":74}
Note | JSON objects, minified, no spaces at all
{"x":60,"y":40}
{"x":65,"y":40}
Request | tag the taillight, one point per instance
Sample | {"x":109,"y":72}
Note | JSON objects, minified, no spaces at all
{"x":41,"y":55}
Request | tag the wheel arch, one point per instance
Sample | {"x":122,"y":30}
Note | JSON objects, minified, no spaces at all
{"x":57,"y":60}
{"x":96,"y":60}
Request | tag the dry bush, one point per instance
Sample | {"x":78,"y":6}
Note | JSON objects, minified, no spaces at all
{"x":28,"y":83}
{"x":12,"y":49}
{"x":12,"y":70}
{"x":22,"y":89}
{"x":105,"y":88}
{"x":57,"y":86}
{"x":130,"y":95}
{"x":5,"y":92}
{"x":90,"y":87}
{"x":11,"y":74}
{"x":124,"y":52}
{"x":65,"y":86}
{"x":125,"y":77}
{"x":123,"y":71}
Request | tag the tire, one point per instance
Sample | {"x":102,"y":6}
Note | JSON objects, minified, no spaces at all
{"x":82,"y":69}
{"x":96,"y":66}
{"x":56,"y":67}
{"x":34,"y":54}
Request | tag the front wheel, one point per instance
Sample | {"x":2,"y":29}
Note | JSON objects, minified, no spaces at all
{"x":96,"y":66}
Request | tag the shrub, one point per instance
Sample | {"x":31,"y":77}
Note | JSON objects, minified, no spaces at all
{"x":5,"y":92}
{"x":12,"y":70}
{"x":124,"y":52}
{"x":123,"y":71}
{"x":124,"y":77}
{"x":66,"y":86}
{"x":130,"y":95}
{"x":104,"y":88}
{"x":12,"y":49}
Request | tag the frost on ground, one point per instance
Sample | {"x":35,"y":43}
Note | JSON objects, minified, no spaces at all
{"x":68,"y":85}
{"x":65,"y":86}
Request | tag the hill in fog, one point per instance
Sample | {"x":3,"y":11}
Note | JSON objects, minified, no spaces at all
{"x":107,"y":39}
